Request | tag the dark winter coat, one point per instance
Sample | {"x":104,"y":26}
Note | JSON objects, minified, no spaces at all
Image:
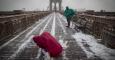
{"x":68,"y":13}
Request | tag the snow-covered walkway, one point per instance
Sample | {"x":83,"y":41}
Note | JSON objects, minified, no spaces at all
{"x":77,"y":46}
{"x":92,"y":48}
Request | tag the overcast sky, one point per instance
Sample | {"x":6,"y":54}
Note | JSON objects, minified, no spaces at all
{"x":108,"y":5}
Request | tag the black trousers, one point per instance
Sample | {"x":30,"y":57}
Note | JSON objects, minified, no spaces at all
{"x":68,"y":21}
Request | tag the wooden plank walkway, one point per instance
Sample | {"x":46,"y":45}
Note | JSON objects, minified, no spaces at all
{"x":22,"y":47}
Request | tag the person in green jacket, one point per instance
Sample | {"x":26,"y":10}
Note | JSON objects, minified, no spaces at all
{"x":69,"y":13}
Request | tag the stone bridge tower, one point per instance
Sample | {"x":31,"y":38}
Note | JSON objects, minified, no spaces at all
{"x":55,"y":2}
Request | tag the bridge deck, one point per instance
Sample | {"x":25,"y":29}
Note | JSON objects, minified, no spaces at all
{"x":22,"y":47}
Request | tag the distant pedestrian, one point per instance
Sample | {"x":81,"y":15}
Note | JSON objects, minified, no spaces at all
{"x":69,"y":13}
